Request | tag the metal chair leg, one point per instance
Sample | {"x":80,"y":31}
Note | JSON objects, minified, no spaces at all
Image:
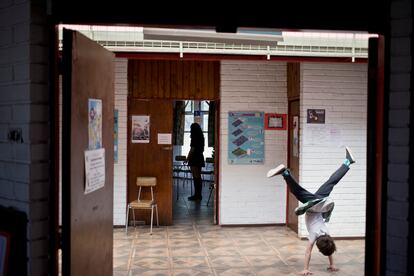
{"x":152,"y":217}
{"x":133,"y":216}
{"x":126,"y":220}
{"x":156,"y":211}
{"x":211,"y":191}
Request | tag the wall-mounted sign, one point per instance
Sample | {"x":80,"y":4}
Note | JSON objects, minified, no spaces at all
{"x":274,"y":121}
{"x":315,"y":116}
{"x":164,"y":138}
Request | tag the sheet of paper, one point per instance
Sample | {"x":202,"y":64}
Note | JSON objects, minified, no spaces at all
{"x":164,"y":138}
{"x":94,"y":170}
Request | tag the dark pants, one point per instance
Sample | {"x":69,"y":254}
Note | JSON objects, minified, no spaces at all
{"x":304,"y":195}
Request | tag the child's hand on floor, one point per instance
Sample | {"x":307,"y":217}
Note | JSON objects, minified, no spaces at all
{"x":332,"y":268}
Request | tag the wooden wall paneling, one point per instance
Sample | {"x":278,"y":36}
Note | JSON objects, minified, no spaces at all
{"x":161,"y":78}
{"x":293,"y":80}
{"x":167,"y":80}
{"x":210,"y":79}
{"x":204,"y":80}
{"x":155,"y":79}
{"x":216,"y":80}
{"x":140,"y":85}
{"x":192,"y":92}
{"x":180,"y":92}
{"x":199,"y":80}
{"x":148,"y":80}
{"x":174,"y":79}
{"x":186,"y":79}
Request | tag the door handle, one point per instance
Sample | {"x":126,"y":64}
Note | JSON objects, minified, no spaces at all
{"x":167,"y":148}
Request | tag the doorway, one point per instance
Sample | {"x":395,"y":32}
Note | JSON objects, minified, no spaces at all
{"x":160,"y":86}
{"x":186,"y":113}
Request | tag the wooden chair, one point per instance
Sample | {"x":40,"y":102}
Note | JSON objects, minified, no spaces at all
{"x":143,"y":182}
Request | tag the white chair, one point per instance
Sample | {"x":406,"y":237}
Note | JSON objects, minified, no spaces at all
{"x":143,"y":182}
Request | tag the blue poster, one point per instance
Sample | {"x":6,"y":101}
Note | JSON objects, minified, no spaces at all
{"x":246,"y":137}
{"x":116,"y":136}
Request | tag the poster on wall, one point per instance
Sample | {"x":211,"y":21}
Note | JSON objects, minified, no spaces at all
{"x":94,"y":170}
{"x":246,"y":137}
{"x":315,"y":116}
{"x":140,"y":129}
{"x":94,"y":124}
{"x":116,"y":135}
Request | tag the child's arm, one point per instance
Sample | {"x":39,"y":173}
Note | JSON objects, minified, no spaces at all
{"x":332,"y":266}
{"x":308,"y":253}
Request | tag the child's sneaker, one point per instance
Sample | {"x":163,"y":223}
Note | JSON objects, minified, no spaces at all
{"x":300,"y":210}
{"x":278,"y":170}
{"x":349,"y":156}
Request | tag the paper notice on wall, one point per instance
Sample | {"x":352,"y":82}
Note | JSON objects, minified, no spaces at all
{"x":164,"y":138}
{"x":295,"y":149}
{"x":94,"y":170}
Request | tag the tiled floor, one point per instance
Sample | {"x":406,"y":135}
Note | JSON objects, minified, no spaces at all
{"x":194,"y":246}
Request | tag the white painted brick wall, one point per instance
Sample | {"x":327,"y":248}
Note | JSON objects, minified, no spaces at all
{"x":120,"y":168}
{"x":247,"y":196}
{"x":340,"y":89}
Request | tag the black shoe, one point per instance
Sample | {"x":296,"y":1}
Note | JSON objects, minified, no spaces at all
{"x":278,"y":170}
{"x":349,"y":156}
{"x":195,"y":197}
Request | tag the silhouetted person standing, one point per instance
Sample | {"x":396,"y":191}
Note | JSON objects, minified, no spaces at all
{"x":195,"y":159}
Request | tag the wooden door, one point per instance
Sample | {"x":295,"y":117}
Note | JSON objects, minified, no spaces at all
{"x":87,"y":219}
{"x":293,"y":161}
{"x":153,"y":158}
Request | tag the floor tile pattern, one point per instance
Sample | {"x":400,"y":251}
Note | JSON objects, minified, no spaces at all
{"x":194,"y":246}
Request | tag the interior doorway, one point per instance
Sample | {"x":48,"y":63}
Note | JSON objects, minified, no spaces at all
{"x":128,"y":124}
{"x":186,"y":113}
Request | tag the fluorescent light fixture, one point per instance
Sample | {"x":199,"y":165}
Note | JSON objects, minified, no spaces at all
{"x":211,"y":36}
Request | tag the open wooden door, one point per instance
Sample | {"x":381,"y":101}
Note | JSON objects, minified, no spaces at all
{"x":151,"y":154}
{"x":87,"y":217}
{"x":293,"y":161}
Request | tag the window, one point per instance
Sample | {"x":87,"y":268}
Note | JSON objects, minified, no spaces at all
{"x":201,"y":109}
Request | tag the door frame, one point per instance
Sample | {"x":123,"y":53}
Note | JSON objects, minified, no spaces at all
{"x":375,"y":155}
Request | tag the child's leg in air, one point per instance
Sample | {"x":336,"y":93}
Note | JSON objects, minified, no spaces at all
{"x":327,"y":187}
{"x":300,"y":193}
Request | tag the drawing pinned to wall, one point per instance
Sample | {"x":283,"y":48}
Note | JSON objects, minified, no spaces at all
{"x":116,"y":135}
{"x":295,"y":150}
{"x":246,"y":138}
{"x":140,"y":129}
{"x":94,"y":124}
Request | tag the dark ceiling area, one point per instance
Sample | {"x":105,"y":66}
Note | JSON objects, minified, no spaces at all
{"x":349,"y":15}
